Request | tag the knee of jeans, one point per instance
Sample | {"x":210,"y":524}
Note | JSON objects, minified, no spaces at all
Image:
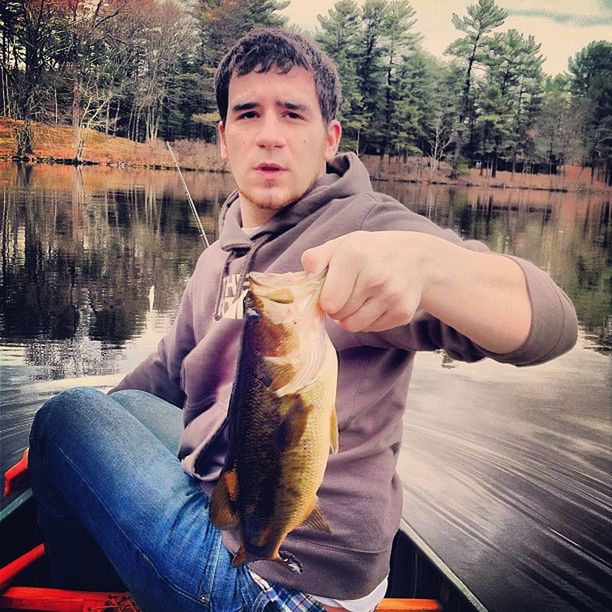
{"x":57,"y":412}
{"x":129,"y":395}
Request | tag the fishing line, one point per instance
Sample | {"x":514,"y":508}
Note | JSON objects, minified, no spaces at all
{"x":193,"y":208}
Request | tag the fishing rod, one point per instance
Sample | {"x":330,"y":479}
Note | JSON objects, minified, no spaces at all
{"x":193,"y":208}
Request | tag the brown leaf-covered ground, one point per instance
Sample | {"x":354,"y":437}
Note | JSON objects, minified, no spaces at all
{"x":54,"y":144}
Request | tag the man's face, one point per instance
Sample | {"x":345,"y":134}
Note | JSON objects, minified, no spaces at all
{"x":275,"y":140}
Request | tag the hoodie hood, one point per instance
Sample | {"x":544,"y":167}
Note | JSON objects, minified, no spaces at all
{"x":345,"y":176}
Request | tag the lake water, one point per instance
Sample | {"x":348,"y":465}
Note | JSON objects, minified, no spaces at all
{"x":506,"y":471}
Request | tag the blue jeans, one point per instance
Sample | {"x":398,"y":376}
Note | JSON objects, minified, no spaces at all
{"x":110,"y":488}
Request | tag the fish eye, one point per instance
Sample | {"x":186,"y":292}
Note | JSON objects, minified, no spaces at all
{"x":252,"y":315}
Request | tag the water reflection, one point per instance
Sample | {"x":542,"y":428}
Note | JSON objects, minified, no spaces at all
{"x":81,"y":249}
{"x":567,"y":235}
{"x":505,"y":471}
{"x":506,"y":475}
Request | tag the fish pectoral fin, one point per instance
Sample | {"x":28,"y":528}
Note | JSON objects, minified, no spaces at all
{"x":334,"y":442}
{"x":316,"y":520}
{"x":281,"y":372}
{"x":223,"y":506}
{"x":292,"y":426}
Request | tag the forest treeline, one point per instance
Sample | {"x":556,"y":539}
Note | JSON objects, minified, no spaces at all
{"x":144,"y":69}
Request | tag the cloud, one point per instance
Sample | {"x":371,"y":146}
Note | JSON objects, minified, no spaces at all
{"x":587,"y":13}
{"x":564,"y":18}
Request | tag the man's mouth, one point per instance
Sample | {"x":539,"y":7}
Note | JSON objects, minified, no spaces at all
{"x":269,"y":170}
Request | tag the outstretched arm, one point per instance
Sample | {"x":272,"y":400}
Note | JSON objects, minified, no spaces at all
{"x":378,"y":280}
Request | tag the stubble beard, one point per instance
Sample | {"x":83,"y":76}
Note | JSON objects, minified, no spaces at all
{"x":274,"y":202}
{"x":267,"y":202}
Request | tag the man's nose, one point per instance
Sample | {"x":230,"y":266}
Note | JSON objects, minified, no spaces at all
{"x":270,"y":134}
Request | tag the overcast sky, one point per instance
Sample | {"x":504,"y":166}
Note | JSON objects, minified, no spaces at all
{"x":563,"y":27}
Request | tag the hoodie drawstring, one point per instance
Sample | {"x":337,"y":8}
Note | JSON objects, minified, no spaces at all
{"x":244,"y":273}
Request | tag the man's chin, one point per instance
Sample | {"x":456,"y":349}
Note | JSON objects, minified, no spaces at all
{"x":269,"y":200}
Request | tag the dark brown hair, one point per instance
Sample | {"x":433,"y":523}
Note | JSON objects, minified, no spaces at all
{"x":265,"y":49}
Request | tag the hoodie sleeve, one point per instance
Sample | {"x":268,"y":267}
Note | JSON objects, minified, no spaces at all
{"x":160,"y":372}
{"x":553,"y":327}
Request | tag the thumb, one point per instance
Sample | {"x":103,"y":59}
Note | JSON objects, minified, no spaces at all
{"x":315,"y":260}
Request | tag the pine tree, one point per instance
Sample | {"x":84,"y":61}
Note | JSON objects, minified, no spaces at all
{"x":221,"y":23}
{"x":370,"y":70}
{"x":439,"y":100}
{"x":397,"y":124}
{"x":591,"y":70}
{"x":509,"y":97}
{"x":339,"y":37}
{"x":482,"y":18}
{"x":555,"y":133}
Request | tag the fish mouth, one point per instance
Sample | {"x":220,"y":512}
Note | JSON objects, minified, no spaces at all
{"x":288,"y":287}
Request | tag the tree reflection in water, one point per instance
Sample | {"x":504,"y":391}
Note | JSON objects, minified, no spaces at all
{"x":81,"y":249}
{"x":566,"y":234}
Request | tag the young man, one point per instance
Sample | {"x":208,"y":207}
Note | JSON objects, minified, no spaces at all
{"x":104,"y":467}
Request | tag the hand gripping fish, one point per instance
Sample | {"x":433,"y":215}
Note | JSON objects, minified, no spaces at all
{"x":282,"y":418}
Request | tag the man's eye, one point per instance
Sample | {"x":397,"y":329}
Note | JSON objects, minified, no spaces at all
{"x":293,"y":115}
{"x":248,"y":115}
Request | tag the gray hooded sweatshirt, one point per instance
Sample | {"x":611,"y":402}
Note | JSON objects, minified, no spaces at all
{"x":361,"y":494}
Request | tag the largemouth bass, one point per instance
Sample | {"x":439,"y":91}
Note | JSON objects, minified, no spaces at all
{"x":282,"y":418}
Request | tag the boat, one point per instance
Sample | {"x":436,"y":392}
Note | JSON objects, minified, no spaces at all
{"x":419,"y":581}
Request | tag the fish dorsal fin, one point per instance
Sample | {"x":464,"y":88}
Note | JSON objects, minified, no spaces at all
{"x":334,"y":443}
{"x":223,"y":501}
{"x":316,"y":520}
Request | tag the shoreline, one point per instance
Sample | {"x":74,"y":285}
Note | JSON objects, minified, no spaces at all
{"x":438,"y":180}
{"x":53,"y":145}
{"x":32,"y":160}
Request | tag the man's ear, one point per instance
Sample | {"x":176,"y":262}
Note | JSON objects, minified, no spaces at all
{"x":222,"y":146}
{"x":333,"y":136}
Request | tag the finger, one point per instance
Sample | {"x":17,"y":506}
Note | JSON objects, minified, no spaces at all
{"x":339,"y":283}
{"x":397,"y":314}
{"x":315,"y":260}
{"x":370,"y":312}
{"x":366,"y":287}
{"x":383,"y":323}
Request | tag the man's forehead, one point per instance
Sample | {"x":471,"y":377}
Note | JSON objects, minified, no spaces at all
{"x":293,"y":88}
{"x":255,"y":76}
